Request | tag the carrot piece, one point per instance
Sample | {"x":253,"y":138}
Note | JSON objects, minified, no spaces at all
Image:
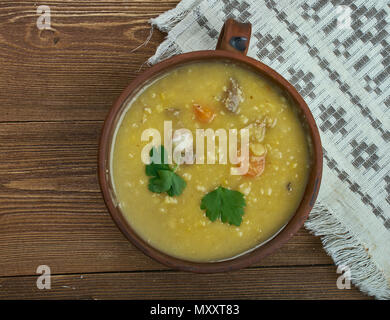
{"x":203,"y":114}
{"x":256,"y":166}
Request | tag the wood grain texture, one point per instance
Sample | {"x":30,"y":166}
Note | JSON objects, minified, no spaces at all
{"x":258,"y":283}
{"x":76,"y":70}
{"x":55,"y":89}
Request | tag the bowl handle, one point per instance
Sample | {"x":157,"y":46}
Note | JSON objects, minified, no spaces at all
{"x":234,"y":37}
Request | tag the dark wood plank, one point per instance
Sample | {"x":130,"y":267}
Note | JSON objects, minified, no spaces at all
{"x":52,"y":211}
{"x":77,"y":70}
{"x":263,"y":283}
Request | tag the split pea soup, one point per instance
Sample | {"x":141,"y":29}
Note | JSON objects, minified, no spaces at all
{"x":202,"y":212}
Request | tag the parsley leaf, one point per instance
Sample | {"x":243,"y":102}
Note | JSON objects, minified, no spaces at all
{"x":162,"y":182}
{"x":159,"y":161}
{"x":164,"y":179}
{"x":228,"y":205}
{"x":177,"y":186}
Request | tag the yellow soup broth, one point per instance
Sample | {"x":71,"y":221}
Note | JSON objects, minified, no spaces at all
{"x":177,"y":225}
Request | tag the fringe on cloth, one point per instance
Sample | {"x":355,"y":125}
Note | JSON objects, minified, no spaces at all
{"x":164,"y":51}
{"x":169,"y":19}
{"x":346,"y":250}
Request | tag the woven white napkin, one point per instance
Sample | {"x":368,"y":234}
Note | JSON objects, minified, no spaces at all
{"x":338,"y":59}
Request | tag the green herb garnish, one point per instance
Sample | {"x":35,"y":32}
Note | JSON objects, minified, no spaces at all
{"x":228,"y":205}
{"x":164,"y":179}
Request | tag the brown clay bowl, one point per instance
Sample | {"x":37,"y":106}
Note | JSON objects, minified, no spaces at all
{"x":232,"y":46}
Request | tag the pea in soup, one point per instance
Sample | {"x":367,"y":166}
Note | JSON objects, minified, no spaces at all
{"x":202,"y":212}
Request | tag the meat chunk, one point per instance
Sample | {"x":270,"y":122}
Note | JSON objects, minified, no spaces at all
{"x":233,"y":96}
{"x":257,"y":130}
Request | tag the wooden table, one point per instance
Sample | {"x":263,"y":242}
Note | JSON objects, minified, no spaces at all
{"x":56,"y":87}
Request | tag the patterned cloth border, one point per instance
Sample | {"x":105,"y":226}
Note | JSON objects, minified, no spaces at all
{"x":336,"y":53}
